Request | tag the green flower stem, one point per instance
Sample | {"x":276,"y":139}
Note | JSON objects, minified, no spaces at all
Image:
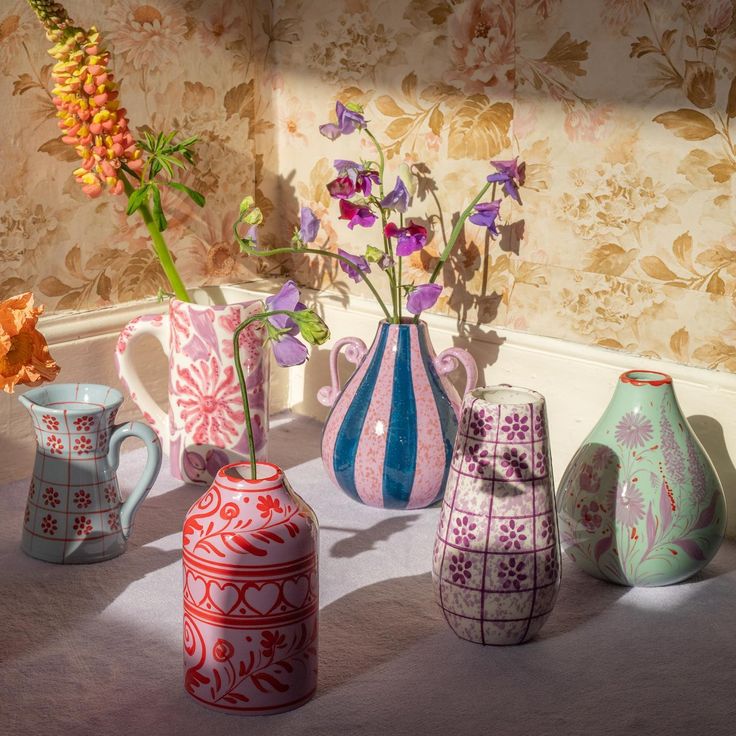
{"x":280,"y":251}
{"x":241,"y":380}
{"x":381,"y":159}
{"x":399,"y":295}
{"x":457,"y":230}
{"x":160,"y":249}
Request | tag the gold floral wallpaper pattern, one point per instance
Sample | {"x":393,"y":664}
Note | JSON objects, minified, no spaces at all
{"x":622,"y":109}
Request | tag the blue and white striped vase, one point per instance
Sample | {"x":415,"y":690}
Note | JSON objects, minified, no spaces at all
{"x":388,"y":439}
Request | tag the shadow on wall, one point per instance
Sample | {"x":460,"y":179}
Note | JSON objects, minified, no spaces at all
{"x":710,"y":433}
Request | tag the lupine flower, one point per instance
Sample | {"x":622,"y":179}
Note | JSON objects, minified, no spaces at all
{"x":24,"y":354}
{"x":511,"y":174}
{"x":86,"y":98}
{"x":398,"y":198}
{"x":349,"y":120}
{"x":308,"y":225}
{"x":356,"y":214}
{"x":486,"y":214}
{"x":360,"y":264}
{"x":423,"y":297}
{"x":287,"y":349}
{"x":409,"y":239}
{"x":361,"y":178}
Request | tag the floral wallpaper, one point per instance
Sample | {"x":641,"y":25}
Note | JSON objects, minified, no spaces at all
{"x":622,"y":109}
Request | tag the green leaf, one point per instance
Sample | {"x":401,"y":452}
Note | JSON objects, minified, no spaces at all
{"x":193,"y":195}
{"x":158,"y":212}
{"x":138,"y":198}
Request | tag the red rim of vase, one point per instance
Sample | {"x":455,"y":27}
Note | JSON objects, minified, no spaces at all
{"x":646,"y":378}
{"x":238,"y":483}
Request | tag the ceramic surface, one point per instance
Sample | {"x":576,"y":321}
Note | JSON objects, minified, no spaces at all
{"x":75,"y":512}
{"x":387,"y":441}
{"x":496,"y":563}
{"x":251,"y":594}
{"x":205,"y":426}
{"x":640,"y":503}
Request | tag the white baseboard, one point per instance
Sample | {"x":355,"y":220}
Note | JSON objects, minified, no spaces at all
{"x":577,"y":380}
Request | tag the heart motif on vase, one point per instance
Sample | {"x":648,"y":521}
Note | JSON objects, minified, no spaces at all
{"x":224,"y":597}
{"x":197,"y":588}
{"x":262,"y":599}
{"x":296,"y":591}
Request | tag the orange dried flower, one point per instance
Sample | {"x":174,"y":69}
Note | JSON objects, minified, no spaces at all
{"x":24,"y":354}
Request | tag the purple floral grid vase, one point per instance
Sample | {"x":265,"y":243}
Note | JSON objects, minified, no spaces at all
{"x":496,"y":565}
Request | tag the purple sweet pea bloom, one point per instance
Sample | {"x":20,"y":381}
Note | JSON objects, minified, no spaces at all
{"x":287,"y":349}
{"x":423,"y":297}
{"x":409,"y":239}
{"x":398,"y":198}
{"x":486,"y":214}
{"x":347,"y":122}
{"x":359,"y":263}
{"x":361,"y":178}
{"x":308,"y":225}
{"x":341,"y":188}
{"x":356,"y":214}
{"x":511,"y":174}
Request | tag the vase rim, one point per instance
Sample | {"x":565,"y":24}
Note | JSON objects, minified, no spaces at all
{"x":72,"y":398}
{"x":505,"y":394}
{"x":271,"y":474}
{"x":638,"y":377}
{"x":405,"y":322}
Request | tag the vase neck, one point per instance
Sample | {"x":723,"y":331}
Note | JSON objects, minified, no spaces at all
{"x":236,"y":477}
{"x":637,"y":387}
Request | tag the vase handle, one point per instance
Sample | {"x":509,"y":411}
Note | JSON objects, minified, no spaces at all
{"x":158,"y":326}
{"x":355,"y":352}
{"x":448,"y":360}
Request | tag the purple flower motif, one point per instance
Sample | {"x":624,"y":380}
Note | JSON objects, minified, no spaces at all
{"x":398,"y":198}
{"x":511,"y":175}
{"x":539,"y":428}
{"x":514,"y":462}
{"x":512,"y":535}
{"x":356,"y":214}
{"x":482,"y":423}
{"x":674,"y":459}
{"x":590,"y":515}
{"x":540,"y":464}
{"x":627,"y":503}
{"x":511,"y":573}
{"x":486,"y":214}
{"x":308,"y":225}
{"x":348,"y":121}
{"x":423,"y":297}
{"x":214,"y":460}
{"x":287,"y":349}
{"x":409,"y":239}
{"x":589,"y":479}
{"x":463,"y":531}
{"x":515,"y":427}
{"x":547,"y":530}
{"x":476,"y":458}
{"x":550,"y":565}
{"x":460,"y":568}
{"x":359,"y":265}
{"x":634,"y":430}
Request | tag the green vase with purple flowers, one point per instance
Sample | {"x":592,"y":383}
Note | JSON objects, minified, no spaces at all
{"x":641,"y":504}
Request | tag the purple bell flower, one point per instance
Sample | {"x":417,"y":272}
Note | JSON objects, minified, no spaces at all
{"x":398,"y":198}
{"x":360,"y":264}
{"x":423,"y":297}
{"x":486,"y":214}
{"x":287,"y":349}
{"x":348,"y":121}
{"x":308,"y":225}
{"x":511,"y":175}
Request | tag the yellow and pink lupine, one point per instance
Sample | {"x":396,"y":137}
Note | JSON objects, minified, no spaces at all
{"x":87,"y":100}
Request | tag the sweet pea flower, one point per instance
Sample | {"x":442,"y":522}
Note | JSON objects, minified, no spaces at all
{"x":511,"y":175}
{"x":360,"y":264}
{"x":408,"y":239}
{"x":343,"y":187}
{"x":423,"y":297}
{"x":486,"y":214}
{"x":308,"y":225}
{"x":356,"y":214}
{"x":361,"y":177}
{"x":348,"y":121}
{"x":282,"y":329}
{"x":398,"y":198}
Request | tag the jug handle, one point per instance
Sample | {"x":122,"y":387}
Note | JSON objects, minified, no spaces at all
{"x":158,"y":326}
{"x":150,"y":472}
{"x":355,"y":352}
{"x":448,"y":360}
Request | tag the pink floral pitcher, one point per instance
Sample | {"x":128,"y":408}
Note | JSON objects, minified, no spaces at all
{"x":205,"y":426}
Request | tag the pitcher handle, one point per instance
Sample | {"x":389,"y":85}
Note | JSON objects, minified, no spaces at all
{"x":447,"y":361}
{"x":355,"y":352}
{"x":158,"y":326}
{"x":150,"y":472}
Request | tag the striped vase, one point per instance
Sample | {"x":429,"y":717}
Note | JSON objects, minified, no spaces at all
{"x":388,"y":440}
